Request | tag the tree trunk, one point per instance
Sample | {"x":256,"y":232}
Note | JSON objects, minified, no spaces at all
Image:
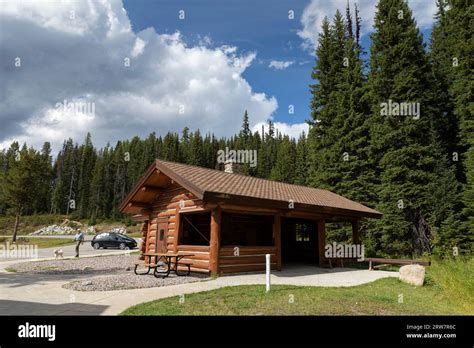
{"x":15,"y":228}
{"x":421,"y":234}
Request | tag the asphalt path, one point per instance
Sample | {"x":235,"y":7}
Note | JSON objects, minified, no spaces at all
{"x":86,"y":249}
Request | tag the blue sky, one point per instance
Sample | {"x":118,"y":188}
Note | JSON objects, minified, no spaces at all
{"x":262,"y":27}
{"x":122,"y":68}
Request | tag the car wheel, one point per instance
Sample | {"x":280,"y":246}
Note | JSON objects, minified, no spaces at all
{"x":96,"y":246}
{"x":122,"y":246}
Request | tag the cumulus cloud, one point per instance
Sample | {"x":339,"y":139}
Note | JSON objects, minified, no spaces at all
{"x":292,"y":130}
{"x":314,"y":13}
{"x":85,"y":53}
{"x":280,"y":64}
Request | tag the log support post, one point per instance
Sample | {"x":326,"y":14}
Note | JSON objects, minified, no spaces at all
{"x":277,"y":240}
{"x":144,"y":234}
{"x":215,"y":240}
{"x":321,"y":241}
{"x":355,"y":232}
{"x":176,"y":230}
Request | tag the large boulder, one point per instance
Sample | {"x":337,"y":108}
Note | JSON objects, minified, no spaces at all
{"x":412,"y":274}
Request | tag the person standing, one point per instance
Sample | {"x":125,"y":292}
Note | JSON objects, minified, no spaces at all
{"x":79,"y":239}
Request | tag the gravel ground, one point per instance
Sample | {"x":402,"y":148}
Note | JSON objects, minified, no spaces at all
{"x":116,"y":273}
{"x":86,"y":265}
{"x":129,"y":281}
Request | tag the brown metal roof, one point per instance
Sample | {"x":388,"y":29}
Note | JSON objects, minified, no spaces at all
{"x":208,"y":183}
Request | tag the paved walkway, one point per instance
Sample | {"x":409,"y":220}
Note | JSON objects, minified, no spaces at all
{"x":33,"y":294}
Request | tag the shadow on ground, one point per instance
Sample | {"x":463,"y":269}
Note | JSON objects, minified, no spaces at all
{"x":9,"y":307}
{"x":27,"y":279}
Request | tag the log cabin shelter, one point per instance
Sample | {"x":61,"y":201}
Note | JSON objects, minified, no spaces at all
{"x":229,"y":221}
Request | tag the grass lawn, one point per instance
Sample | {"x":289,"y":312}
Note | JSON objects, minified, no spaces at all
{"x":443,"y":294}
{"x":28,"y":224}
{"x":135,"y":234}
{"x":40,"y":242}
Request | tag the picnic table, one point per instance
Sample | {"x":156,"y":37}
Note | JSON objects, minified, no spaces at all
{"x":154,"y":263}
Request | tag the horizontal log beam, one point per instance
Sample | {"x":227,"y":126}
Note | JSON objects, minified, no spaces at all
{"x":151,"y":189}
{"x":138,"y":205}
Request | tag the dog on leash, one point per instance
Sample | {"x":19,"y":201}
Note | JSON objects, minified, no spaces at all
{"x":58,"y":253}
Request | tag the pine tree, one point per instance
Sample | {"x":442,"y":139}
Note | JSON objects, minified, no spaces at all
{"x":20,"y":184}
{"x":185,"y":146}
{"x":403,"y":147}
{"x":325,"y":129}
{"x":443,"y":40}
{"x":45,"y":180}
{"x":245,"y":132}
{"x":196,"y":149}
{"x":171,"y":148}
{"x":284,"y":168}
{"x":452,"y":52}
{"x":301,"y":161}
{"x":468,"y":201}
{"x":97,"y":193}
{"x":353,"y":175}
{"x":65,"y":185}
{"x":85,"y":171}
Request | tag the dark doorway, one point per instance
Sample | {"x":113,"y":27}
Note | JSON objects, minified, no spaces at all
{"x":246,"y":230}
{"x":299,"y":241}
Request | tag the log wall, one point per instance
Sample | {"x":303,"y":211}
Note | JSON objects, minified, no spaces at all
{"x":246,"y":258}
{"x":166,"y":209}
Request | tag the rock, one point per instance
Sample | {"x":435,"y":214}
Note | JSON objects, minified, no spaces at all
{"x":412,"y":274}
{"x":87,"y":268}
{"x":121,"y":229}
{"x":128,"y":268}
{"x":90,"y":230}
{"x":86,"y":283}
{"x":54,"y":229}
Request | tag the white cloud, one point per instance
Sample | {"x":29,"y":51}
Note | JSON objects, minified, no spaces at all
{"x":280,"y":64}
{"x":78,"y":51}
{"x":314,"y":13}
{"x":292,"y":130}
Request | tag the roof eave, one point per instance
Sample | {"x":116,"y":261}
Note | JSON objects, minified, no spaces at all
{"x":137,"y":186}
{"x":317,"y":209}
{"x":157,"y":165}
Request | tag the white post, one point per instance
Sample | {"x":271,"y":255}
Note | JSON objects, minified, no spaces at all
{"x":267,"y":256}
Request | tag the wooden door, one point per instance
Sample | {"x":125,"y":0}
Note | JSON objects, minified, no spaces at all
{"x":161,"y":236}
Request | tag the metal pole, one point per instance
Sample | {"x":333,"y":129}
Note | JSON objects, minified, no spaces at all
{"x":267,"y":256}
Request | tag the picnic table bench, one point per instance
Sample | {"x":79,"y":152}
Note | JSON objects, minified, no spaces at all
{"x":401,"y":262}
{"x":154,"y":263}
